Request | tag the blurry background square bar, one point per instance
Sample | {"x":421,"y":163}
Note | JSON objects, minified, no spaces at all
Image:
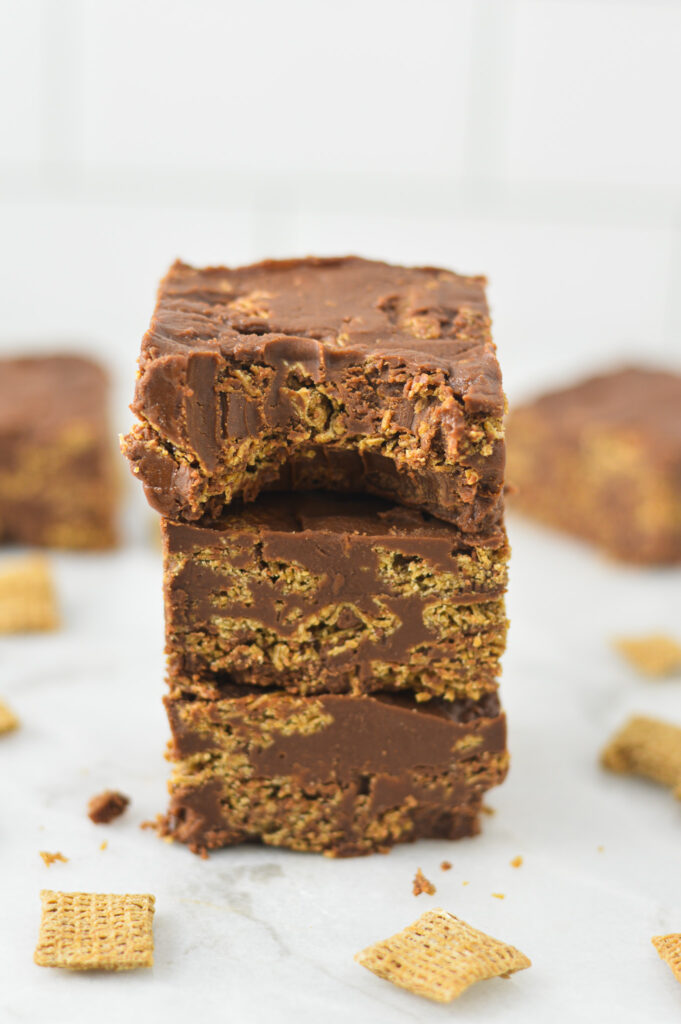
{"x":601,"y":459}
{"x":58,"y":481}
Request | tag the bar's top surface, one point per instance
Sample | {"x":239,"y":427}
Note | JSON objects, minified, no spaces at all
{"x":634,"y":399}
{"x":40,"y":393}
{"x":305,"y":512}
{"x":332,"y":311}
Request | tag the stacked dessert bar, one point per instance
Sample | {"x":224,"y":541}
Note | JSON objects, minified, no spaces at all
{"x":323,"y":438}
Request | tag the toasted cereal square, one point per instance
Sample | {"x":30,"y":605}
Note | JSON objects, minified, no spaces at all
{"x":8,"y":720}
{"x":669,"y":949}
{"x":647,"y":747}
{"x":440,"y":956}
{"x":27,"y":599}
{"x":654,"y":655}
{"x":88,"y":931}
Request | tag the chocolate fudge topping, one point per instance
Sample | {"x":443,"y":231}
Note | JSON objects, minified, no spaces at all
{"x":643,"y":401}
{"x":38,"y":393}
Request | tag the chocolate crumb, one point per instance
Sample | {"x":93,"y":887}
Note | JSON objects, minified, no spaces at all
{"x":50,"y":858}
{"x":106,"y":806}
{"x":446,"y":865}
{"x":422,"y":884}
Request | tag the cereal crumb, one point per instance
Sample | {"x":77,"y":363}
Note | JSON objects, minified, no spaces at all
{"x":103,"y":845}
{"x":439,"y":957}
{"x":446,"y":865}
{"x":465,"y":883}
{"x":8,"y":720}
{"x":600,"y":849}
{"x":499,"y":895}
{"x":517,"y":862}
{"x":106,"y":806}
{"x":486,"y":809}
{"x":654,"y":655}
{"x":422,"y":884}
{"x":50,"y":858}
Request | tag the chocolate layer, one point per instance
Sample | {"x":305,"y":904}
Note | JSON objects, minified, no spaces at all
{"x":342,"y":374}
{"x":602,"y":460}
{"x":316,"y":593}
{"x":340,"y":774}
{"x":57,"y":478}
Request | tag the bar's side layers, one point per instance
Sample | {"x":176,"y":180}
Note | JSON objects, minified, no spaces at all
{"x":338,"y":374}
{"x":338,"y":774}
{"x":602,"y":460}
{"x":57,"y":475}
{"x":313,"y":593}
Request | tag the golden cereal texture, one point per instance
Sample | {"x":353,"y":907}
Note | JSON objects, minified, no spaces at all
{"x":27,"y":598}
{"x":89,"y":931}
{"x":655,"y":655}
{"x":440,"y":956}
{"x":8,"y":720}
{"x":669,"y":950}
{"x":647,"y":747}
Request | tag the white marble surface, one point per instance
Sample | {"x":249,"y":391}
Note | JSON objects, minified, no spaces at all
{"x":257,"y":934}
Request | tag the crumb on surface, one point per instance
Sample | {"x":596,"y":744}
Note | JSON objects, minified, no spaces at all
{"x":8,"y":720}
{"x":465,"y":883}
{"x":486,"y":809}
{"x":600,"y":849}
{"x":499,"y":895}
{"x":106,"y":806}
{"x":422,"y":884}
{"x":446,"y":865}
{"x":654,"y":655}
{"x":50,"y":858}
{"x":103,"y":845}
{"x":517,"y":862}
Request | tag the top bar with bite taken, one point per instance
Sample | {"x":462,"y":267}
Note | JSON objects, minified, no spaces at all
{"x":337,"y":374}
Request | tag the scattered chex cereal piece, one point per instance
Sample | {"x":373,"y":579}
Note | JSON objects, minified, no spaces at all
{"x":439,"y":957}
{"x":648,"y":747}
{"x":422,"y":884}
{"x":669,"y":949}
{"x":8,"y":720}
{"x":27,"y":599}
{"x":90,"y":931}
{"x":50,"y":858}
{"x":655,"y":655}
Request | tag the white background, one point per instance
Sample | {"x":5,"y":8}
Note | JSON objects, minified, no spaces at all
{"x":536,"y":141}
